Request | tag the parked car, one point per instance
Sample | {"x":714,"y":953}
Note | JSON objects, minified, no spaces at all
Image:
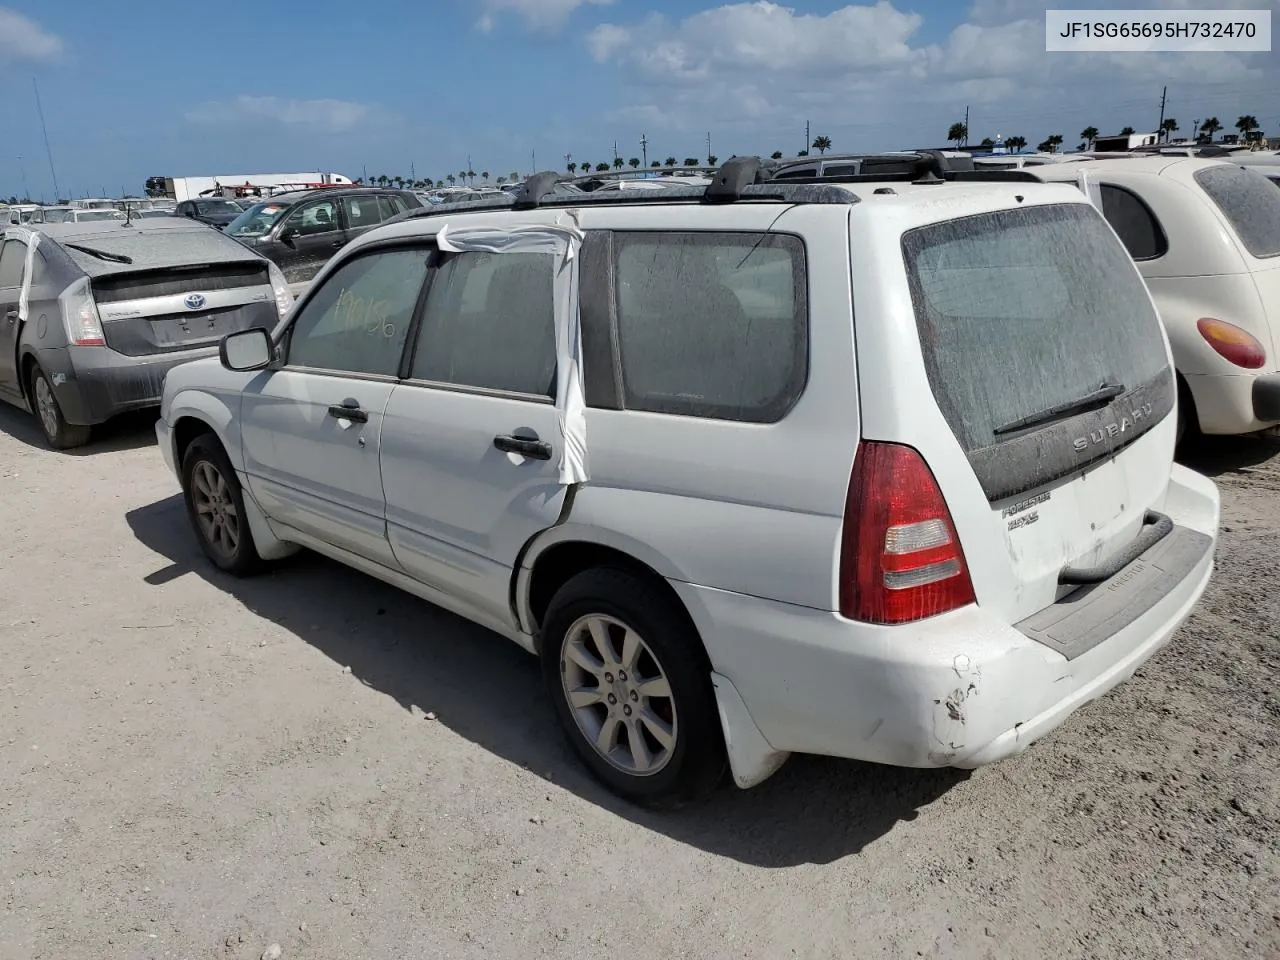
{"x":215,"y":211}
{"x":74,"y":215}
{"x":1206,"y":237}
{"x":97,"y":313}
{"x":881,"y":472}
{"x":300,"y":231}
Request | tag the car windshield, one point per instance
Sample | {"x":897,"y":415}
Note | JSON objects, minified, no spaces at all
{"x":90,"y":215}
{"x":214,"y":207}
{"x":257,"y":220}
{"x":58,"y":216}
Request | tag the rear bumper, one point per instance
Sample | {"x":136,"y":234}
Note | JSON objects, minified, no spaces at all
{"x":1235,"y":403}
{"x":962,"y":689}
{"x":93,"y":384}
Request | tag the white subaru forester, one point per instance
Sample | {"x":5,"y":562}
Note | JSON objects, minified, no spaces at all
{"x":881,"y":471}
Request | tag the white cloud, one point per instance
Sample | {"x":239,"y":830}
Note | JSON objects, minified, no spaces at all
{"x":24,"y":39}
{"x":537,"y":14}
{"x":324,"y":115}
{"x":863,"y":76}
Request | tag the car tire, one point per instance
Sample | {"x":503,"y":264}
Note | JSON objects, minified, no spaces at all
{"x":1188,"y":428}
{"x":215,"y":507}
{"x":647,"y":699}
{"x":44,"y":404}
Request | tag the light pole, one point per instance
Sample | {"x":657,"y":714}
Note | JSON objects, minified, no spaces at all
{"x":644,"y":149}
{"x":26,"y":192}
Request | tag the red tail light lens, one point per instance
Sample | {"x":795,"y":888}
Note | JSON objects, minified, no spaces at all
{"x":1237,"y":345}
{"x":900,"y":558}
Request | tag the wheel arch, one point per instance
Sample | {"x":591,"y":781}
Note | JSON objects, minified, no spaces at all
{"x":193,"y":413}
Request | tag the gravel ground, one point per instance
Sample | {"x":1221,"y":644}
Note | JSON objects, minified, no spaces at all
{"x":192,"y":766}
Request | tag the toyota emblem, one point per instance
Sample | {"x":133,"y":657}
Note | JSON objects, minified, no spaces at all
{"x":194,"y":301}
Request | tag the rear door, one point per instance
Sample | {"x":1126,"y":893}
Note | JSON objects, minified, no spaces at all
{"x":471,"y":441}
{"x":361,"y":214}
{"x":1048,"y":363}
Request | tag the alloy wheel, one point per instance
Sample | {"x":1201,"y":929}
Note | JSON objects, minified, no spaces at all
{"x":215,"y":509}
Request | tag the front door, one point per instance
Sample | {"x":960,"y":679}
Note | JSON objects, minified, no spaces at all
{"x":310,"y":236}
{"x":470,"y":442}
{"x":13,"y":257}
{"x":312,"y":431}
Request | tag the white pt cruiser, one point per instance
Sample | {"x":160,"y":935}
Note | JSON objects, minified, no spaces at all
{"x":875,"y":471}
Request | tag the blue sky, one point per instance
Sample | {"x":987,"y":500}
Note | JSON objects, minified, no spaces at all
{"x":136,"y":88}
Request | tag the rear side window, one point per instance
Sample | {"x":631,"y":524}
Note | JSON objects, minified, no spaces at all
{"x":12,"y":257}
{"x":1133,"y":220}
{"x":361,"y":212}
{"x":1021,"y":311}
{"x":490,"y":323}
{"x":1248,"y":202}
{"x":712,"y":324}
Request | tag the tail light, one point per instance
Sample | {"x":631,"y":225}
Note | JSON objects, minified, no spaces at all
{"x":1237,"y":345}
{"x":80,"y":315}
{"x":280,"y":287}
{"x":900,"y":558}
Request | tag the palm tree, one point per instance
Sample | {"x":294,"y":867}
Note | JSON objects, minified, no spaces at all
{"x":1246,"y":123}
{"x":452,"y":179}
{"x":776,"y":155}
{"x":711,"y":160}
{"x":822,"y":144}
{"x":1015,"y":143}
{"x":1050,"y":143}
{"x":958,"y":133}
{"x":1089,"y":134}
{"x":618,"y":163}
{"x":472,"y":175}
{"x":399,"y":182}
{"x":803,"y":153}
{"x":1210,"y":126}
{"x":381,"y":179}
{"x":515,"y":175}
{"x":1127,"y":131}
{"x":601,"y":167}
{"x":485,"y":176}
{"x":670,"y":161}
{"x":1168,"y":127}
{"x":654,"y":164}
{"x":987,"y":142}
{"x":572,"y":166}
{"x":690,"y":161}
{"x":633,"y":163}
{"x":501,"y":181}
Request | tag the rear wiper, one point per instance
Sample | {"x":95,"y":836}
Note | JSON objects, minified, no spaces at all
{"x":1091,"y":401}
{"x":100,"y":254}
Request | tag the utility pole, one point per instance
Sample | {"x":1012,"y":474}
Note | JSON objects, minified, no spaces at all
{"x":1195,"y":131}
{"x":1164,"y":91}
{"x":708,"y":146}
{"x":615,"y":149}
{"x":26,"y":191}
{"x":644,"y":149}
{"x":40,"y":110}
{"x":806,"y":136}
{"x":966,"y":126}
{"x":533,"y":162}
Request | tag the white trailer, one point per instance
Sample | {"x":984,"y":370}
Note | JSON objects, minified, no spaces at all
{"x":189,"y":188}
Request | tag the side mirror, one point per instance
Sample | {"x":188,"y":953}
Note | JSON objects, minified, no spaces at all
{"x":287,"y":234}
{"x":246,"y":350}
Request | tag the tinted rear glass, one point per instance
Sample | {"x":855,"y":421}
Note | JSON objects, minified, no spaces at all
{"x":1023,"y":310}
{"x":1250,"y":204}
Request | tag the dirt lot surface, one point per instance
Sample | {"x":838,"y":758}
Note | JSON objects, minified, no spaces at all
{"x":192,"y":766}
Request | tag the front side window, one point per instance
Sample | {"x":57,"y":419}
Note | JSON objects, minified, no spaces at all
{"x":361,"y":212}
{"x":359,"y":320}
{"x":12,"y":256}
{"x":712,"y":324}
{"x":318,"y":217}
{"x":257,"y":220}
{"x":490,"y":323}
{"x":1134,"y":222}
{"x":1249,"y":204}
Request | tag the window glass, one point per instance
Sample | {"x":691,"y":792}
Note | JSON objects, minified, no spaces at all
{"x":361,"y":212}
{"x":400,"y":204}
{"x":490,"y":322}
{"x":386,"y":208}
{"x":1133,"y":220}
{"x":318,"y":217}
{"x":798,"y":173}
{"x":359,"y":319}
{"x":1023,"y":310}
{"x":712,"y":324}
{"x":1249,"y":204}
{"x":12,"y":257}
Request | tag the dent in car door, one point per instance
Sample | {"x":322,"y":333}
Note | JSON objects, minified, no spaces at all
{"x":470,"y":445}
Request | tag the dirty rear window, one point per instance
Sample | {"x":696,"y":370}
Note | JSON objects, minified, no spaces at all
{"x":1249,"y":203}
{"x":1023,"y":310}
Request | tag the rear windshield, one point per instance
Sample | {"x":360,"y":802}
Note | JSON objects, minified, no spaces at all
{"x":83,"y":216}
{"x":1025,"y":310}
{"x":213,"y":207}
{"x":1248,"y":202}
